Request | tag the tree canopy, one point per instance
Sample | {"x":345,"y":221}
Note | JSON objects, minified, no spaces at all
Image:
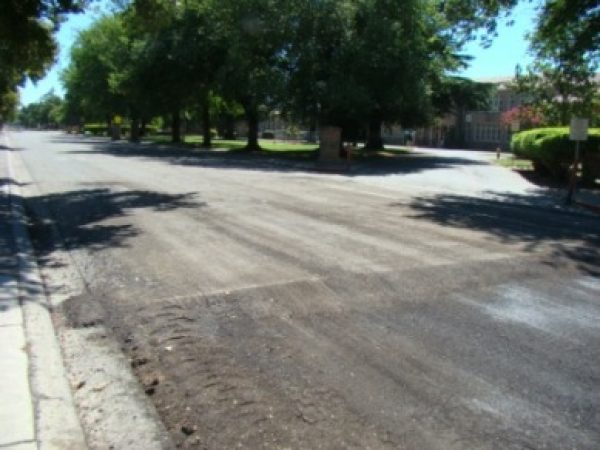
{"x":27,"y":46}
{"x":352,"y":63}
{"x":566,"y":45}
{"x":46,"y":113}
{"x":570,"y":28}
{"x":99,"y":52}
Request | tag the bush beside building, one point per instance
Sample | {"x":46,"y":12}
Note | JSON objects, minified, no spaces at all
{"x":552,"y":152}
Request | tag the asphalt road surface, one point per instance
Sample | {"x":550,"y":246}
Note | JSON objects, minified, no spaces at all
{"x":265,"y":305}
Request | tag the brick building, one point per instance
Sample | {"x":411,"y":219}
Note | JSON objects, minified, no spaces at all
{"x":481,"y":129}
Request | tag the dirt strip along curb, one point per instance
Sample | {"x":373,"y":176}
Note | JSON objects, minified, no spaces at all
{"x":56,"y":422}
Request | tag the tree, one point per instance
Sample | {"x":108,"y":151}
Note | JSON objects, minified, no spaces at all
{"x":467,"y":20}
{"x":363,"y":63}
{"x":184,"y":36}
{"x":560,"y":90}
{"x":27,"y":46}
{"x":47,"y":113}
{"x":393,"y":55}
{"x":87,"y":79}
{"x":8,"y":106}
{"x":566,"y":46}
{"x":253,"y":72}
{"x":318,"y":89}
{"x":570,"y":27}
{"x":225,"y":114}
{"x":353,"y":65}
{"x":153,"y":58}
{"x":457,"y":95}
{"x":525,"y":115}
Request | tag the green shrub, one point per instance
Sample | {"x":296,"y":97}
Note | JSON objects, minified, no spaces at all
{"x":96,"y":129}
{"x":267,"y":135}
{"x":151,"y":129}
{"x":100,"y":129}
{"x":551,"y":151}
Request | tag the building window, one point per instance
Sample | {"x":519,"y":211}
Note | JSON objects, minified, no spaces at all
{"x":485,"y":133}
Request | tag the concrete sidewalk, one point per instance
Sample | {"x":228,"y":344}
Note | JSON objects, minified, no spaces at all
{"x":36,"y":405}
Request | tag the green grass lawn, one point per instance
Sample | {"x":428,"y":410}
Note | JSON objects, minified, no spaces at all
{"x":267,"y":145}
{"x":510,"y":162}
{"x":281,"y":148}
{"x":391,"y":152}
{"x":195,"y":140}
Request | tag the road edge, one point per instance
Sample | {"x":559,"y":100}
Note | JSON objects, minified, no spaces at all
{"x":56,"y":420}
{"x":108,"y":400}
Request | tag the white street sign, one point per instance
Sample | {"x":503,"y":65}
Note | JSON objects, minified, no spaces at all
{"x":578,"y":129}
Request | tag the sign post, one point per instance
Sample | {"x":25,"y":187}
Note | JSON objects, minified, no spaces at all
{"x":578,"y":132}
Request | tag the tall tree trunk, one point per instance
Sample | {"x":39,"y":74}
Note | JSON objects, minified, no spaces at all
{"x":134,"y":130}
{"x":230,"y":127}
{"x":176,"y":127}
{"x":252,"y":118}
{"x":312,"y":134}
{"x":206,"y":124}
{"x":143,"y":130}
{"x":461,"y":141}
{"x":374,"y":139}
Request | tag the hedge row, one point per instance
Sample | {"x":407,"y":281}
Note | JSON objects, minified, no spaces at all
{"x":100,"y":129}
{"x":552,"y":152}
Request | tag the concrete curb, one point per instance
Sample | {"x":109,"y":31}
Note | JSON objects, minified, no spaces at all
{"x":57,"y":424}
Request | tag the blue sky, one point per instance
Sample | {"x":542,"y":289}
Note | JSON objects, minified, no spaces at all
{"x":66,"y":36}
{"x":507,"y":50}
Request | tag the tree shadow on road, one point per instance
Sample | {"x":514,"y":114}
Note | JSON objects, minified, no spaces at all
{"x":78,"y":216}
{"x":10,"y":181}
{"x":531,"y":220}
{"x":75,"y":220}
{"x":8,"y":260}
{"x":12,"y":281}
{"x":10,"y":149}
{"x":400,"y":163}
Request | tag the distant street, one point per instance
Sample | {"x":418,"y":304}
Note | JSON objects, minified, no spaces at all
{"x":409,"y":304}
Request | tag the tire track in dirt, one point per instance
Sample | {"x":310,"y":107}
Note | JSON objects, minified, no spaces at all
{"x":215,"y":374}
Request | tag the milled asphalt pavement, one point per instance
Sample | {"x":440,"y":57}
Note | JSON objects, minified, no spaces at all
{"x":429,"y":300}
{"x":460,"y":172}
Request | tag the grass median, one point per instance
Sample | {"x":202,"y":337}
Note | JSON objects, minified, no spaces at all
{"x":267,"y":145}
{"x":510,"y":162}
{"x":285,"y":149}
